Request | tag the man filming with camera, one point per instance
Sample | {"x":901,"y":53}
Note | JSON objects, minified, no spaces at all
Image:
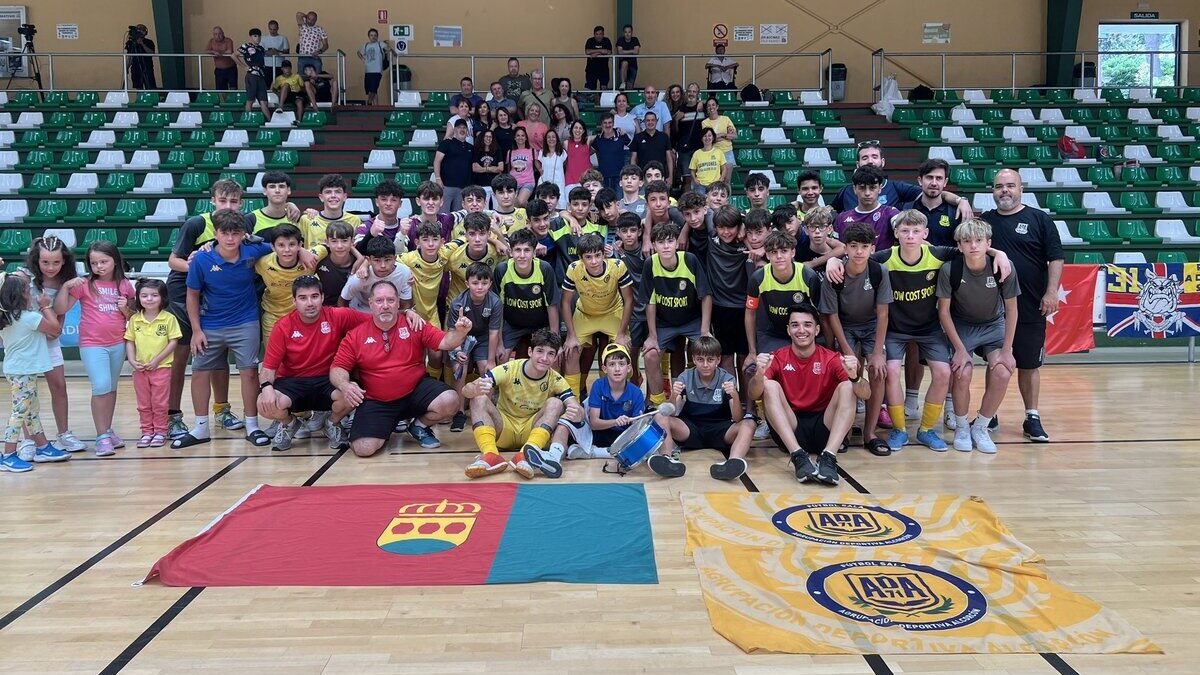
{"x":141,"y":68}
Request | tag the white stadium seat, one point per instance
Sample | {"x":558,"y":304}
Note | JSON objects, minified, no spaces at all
{"x":108,"y":160}
{"x":10,"y":183}
{"x":1034,"y":177}
{"x":1086,"y":96}
{"x":13,"y":210}
{"x":1052,"y":116}
{"x":1100,"y":203}
{"x":1017,"y":135}
{"x":608,"y":99}
{"x":188,"y":119}
{"x":1142,"y":116}
{"x":233,"y":138}
{"x":1023,"y":116}
{"x":381,"y":159}
{"x":8,"y":159}
{"x":983,"y":201}
{"x":1175,"y":232}
{"x":1172,"y":133}
{"x":159,"y":269}
{"x":282,"y":120}
{"x":126,"y":119}
{"x":249,"y":160}
{"x":176,"y":99}
{"x":143,"y":159}
{"x":964,"y":117}
{"x":1081,"y":134}
{"x":1173,"y":202}
{"x":80,"y":183}
{"x":953,"y":134}
{"x":837,"y":136}
{"x":1193,"y":114}
{"x":770,"y":175}
{"x":818,"y":157}
{"x":1064,"y":234}
{"x":114,"y":99}
{"x":1129,"y":258}
{"x":1068,"y":176}
{"x":156,"y":183}
{"x":773,"y":136}
{"x":168,"y":211}
{"x":408,"y":99}
{"x":360,"y":205}
{"x":976,"y":97}
{"x":256,"y":187}
{"x":7,"y":138}
{"x":944,"y":153}
{"x":1143,"y":95}
{"x":65,"y":235}
{"x":423,"y":138}
{"x":299,"y":138}
{"x":795,"y":118}
{"x":1140,"y":153}
{"x":1030,"y":199}
{"x":812,"y":98}
{"x":28,"y":120}
{"x":99,"y":139}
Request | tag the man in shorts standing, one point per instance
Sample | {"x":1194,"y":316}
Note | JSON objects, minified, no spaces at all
{"x":253,"y":56}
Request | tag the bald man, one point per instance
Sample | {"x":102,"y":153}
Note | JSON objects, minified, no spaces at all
{"x":1031,"y":241}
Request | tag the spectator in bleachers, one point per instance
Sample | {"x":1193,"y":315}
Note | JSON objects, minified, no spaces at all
{"x":726,"y":133}
{"x":500,"y":99}
{"x":483,"y":118}
{"x":534,"y":126}
{"x":289,"y":87}
{"x":462,"y":112}
{"x":318,"y":85}
{"x":277,"y":47}
{"x":538,"y":95}
{"x":224,"y":68}
{"x":610,"y":148}
{"x":452,"y":165}
{"x":253,"y":57}
{"x":314,"y":41}
{"x":514,"y":83}
{"x":489,"y":159}
{"x":466,"y":93}
{"x":662,"y":114}
{"x":141,"y":67}
{"x":566,"y":97}
{"x":504,"y":128}
{"x":652,"y":145}
{"x":674,"y":101}
{"x":943,"y":218}
{"x":551,"y":164}
{"x":685,"y":137}
{"x":628,"y":44}
{"x":373,"y":53}
{"x":560,"y":120}
{"x":624,"y":121}
{"x":597,"y":48}
{"x":721,"y":70}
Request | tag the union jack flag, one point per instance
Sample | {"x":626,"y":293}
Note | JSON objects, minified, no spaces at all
{"x":1153,"y":300}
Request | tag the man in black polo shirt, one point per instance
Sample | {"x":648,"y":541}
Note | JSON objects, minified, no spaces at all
{"x":1030,"y":239}
{"x":452,"y":165}
{"x":652,"y":145}
{"x":943,"y":218}
{"x":597,"y":47}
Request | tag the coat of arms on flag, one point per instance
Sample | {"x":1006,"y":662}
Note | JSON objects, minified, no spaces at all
{"x":1153,"y":300}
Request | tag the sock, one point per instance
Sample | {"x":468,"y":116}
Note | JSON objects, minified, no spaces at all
{"x":897,"y":413}
{"x":435,"y":373}
{"x":485,"y":438}
{"x":251,"y":423}
{"x":419,"y":423}
{"x":931,"y":415}
{"x":219,"y":407}
{"x":910,"y":397}
{"x":1032,"y":412}
{"x":666,"y":365}
{"x":201,"y":428}
{"x":658,"y":399}
{"x":573,"y":381}
{"x":962,"y":421}
{"x":557,"y":451}
{"x":982,"y":422}
{"x":174,"y":412}
{"x":538,"y":438}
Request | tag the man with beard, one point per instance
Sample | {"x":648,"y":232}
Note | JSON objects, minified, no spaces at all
{"x":943,"y":218}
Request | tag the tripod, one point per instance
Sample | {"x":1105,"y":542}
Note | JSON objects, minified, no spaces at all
{"x":35,"y":71}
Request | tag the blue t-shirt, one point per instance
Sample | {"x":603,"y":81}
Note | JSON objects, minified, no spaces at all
{"x":227,"y":295}
{"x":893,"y":193}
{"x":610,"y":154}
{"x":632,"y":402}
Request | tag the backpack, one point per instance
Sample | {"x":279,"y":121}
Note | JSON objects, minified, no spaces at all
{"x":751,"y":93}
{"x":874,"y":274}
{"x":920,"y":93}
{"x":387,"y":63}
{"x":956,"y":272}
{"x":1069,"y":148}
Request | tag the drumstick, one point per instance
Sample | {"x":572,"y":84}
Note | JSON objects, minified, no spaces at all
{"x":666,"y":408}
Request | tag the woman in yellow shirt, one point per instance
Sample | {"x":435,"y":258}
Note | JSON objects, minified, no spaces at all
{"x":723,"y":126}
{"x":708,"y":163}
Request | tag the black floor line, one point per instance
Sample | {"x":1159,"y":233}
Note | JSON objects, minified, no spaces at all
{"x":155,"y":629}
{"x":1057,"y":661}
{"x":108,"y":550}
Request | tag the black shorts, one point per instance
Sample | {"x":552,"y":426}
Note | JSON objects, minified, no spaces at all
{"x":704,"y":433}
{"x":1029,"y":345}
{"x":290,"y":99}
{"x":371,"y":82}
{"x":729,"y":327}
{"x":256,"y":88}
{"x":811,"y":432}
{"x":604,"y":438}
{"x":377,"y":419}
{"x":638,"y":332}
{"x":226,"y":78}
{"x":179,"y":309}
{"x":307,"y":393}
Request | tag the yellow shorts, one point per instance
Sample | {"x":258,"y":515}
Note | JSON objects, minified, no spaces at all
{"x":267,"y":322}
{"x":513,"y":432}
{"x":587,"y":325}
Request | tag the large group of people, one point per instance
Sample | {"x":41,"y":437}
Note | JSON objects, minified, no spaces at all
{"x":497,"y":311}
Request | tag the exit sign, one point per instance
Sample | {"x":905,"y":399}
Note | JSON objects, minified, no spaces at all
{"x":1144,"y":16}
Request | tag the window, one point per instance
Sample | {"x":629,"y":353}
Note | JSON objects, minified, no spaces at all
{"x":1151,"y":56}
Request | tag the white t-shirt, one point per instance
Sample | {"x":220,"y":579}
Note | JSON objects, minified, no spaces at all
{"x":626,"y":123}
{"x":554,"y":171}
{"x":358,"y":291}
{"x":720,"y":76}
{"x":279,"y":42}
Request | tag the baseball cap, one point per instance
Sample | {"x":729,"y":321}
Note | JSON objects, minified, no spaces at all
{"x":614,"y":348}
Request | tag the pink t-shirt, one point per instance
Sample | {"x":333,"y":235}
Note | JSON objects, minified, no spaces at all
{"x":101,"y":324}
{"x":579,"y":159}
{"x":536,"y":132}
{"x":520,"y":161}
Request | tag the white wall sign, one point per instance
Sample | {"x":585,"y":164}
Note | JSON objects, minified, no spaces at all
{"x":402,"y":34}
{"x":743,"y":33}
{"x":773,"y":34}
{"x":68,"y":31}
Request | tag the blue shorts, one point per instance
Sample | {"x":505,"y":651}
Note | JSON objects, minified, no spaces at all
{"x":103,"y":366}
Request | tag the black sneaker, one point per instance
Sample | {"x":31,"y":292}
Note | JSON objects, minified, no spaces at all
{"x":805,"y":470}
{"x":730,"y":469}
{"x":994,"y":424}
{"x":666,"y":466}
{"x":459,"y":422}
{"x":827,"y":468}
{"x":1034,"y":431}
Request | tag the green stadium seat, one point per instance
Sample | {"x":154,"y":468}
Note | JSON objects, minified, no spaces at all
{"x":1168,"y":95}
{"x":1047,"y":133}
{"x":765,"y":118}
{"x":1085,"y":116}
{"x":1010,"y":155}
{"x":1109,"y":153}
{"x":636,"y":98}
{"x":438,"y":99}
{"x":400,"y":119}
{"x":200,"y":138}
{"x":15,"y":241}
{"x":1044,"y":155}
{"x":590,"y":118}
{"x":251,"y":119}
{"x":949,"y":96}
{"x":128,"y":211}
{"x":213,"y":159}
{"x":1103,"y":176}
{"x":283,"y":159}
{"x":746,"y":136}
{"x":432,"y":119}
{"x":70,"y":160}
{"x":922,"y":134}
{"x":1114,"y":95}
{"x":1136,"y":232}
{"x":1138,"y":176}
{"x":234,"y":100}
{"x":1064,"y":204}
{"x":936,"y":116}
{"x":965,"y":177}
{"x":1113,"y":116}
{"x":155,"y":119}
{"x":202,"y":206}
{"x":994,"y":116}
{"x":832,"y":179}
{"x":390,"y":138}
{"x":93,"y":235}
{"x":1172,"y":116}
{"x":66,"y":138}
{"x":314,"y":119}
{"x":85,"y":99}
{"x":1173,"y":176}
{"x":266,"y":138}
{"x":35,"y":160}
{"x":24,"y":99}
{"x":253,"y":204}
{"x":409,"y":181}
{"x":193,"y":183}
{"x":366,"y":182}
{"x":117,"y":183}
{"x":1059,"y":97}
{"x":133,"y":139}
{"x":989,"y":175}
{"x":88,"y":211}
{"x":823,"y":117}
{"x":42,"y":183}
{"x":59,"y":120}
{"x":170,"y":245}
{"x":751,"y":157}
{"x":986,"y":134}
{"x":206,"y":99}
{"x":847,"y":156}
{"x":776,"y":201}
{"x":905,"y":115}
{"x":1031,"y":97}
{"x":1003,"y":96}
{"x":178,"y":160}
{"x":740,"y":202}
{"x":415,"y":159}
{"x":166,"y":139}
{"x":92,"y":119}
{"x":1088,"y":258}
{"x":738,"y":117}
{"x":1096,"y":232}
{"x":1138,"y":203}
{"x":1112,"y":133}
{"x":1172,"y":257}
{"x":1173,"y":153}
{"x":1142,"y":133}
{"x":238,"y":177}
{"x":56,"y":99}
{"x":31,"y":138}
{"x":218,"y":119}
{"x":145,"y":100}
{"x":727,"y":98}
{"x":48,"y":211}
{"x":142,"y":241}
{"x":790,"y":176}
{"x":737,"y":182}
{"x":785,"y":157}
{"x":783,"y":99}
{"x":977,"y":155}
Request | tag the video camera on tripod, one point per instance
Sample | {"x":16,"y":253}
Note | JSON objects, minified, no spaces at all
{"x":27,"y":30}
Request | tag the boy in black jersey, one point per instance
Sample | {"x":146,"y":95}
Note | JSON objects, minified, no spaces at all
{"x":529,"y":292}
{"x":629,"y":251}
{"x":771,"y":291}
{"x":695,"y":233}
{"x":673,"y":287}
{"x":728,"y":274}
{"x":758,"y":190}
{"x":334,"y":268}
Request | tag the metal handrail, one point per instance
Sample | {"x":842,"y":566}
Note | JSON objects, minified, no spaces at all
{"x":880,"y":57}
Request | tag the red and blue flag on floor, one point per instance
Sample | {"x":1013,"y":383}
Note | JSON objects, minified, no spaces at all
{"x":421,"y":535}
{"x":1153,"y":300}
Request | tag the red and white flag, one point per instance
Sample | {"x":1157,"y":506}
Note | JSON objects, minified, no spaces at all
{"x":1070,"y":328}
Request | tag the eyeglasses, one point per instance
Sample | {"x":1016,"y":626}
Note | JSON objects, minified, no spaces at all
{"x":869,"y":144}
{"x":817,"y":227}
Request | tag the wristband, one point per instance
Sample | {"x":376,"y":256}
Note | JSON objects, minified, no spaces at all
{"x":262,"y":387}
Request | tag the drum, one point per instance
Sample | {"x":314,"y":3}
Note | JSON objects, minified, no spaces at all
{"x":635,"y":445}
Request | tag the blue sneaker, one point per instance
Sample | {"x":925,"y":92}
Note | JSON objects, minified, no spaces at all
{"x":424,"y":436}
{"x":897,"y":440}
{"x":225,"y":417}
{"x":932,"y":440}
{"x":14,"y":464}
{"x":50,"y":454}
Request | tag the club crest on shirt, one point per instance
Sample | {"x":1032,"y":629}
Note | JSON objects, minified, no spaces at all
{"x":1022,"y":228}
{"x":718,"y":396}
{"x":867,"y":285}
{"x":402,"y":333}
{"x":628,"y":406}
{"x":325,"y":328}
{"x":930,"y":275}
{"x":682,"y":284}
{"x":817,"y":368}
{"x":536,"y":289}
{"x":991,"y":282}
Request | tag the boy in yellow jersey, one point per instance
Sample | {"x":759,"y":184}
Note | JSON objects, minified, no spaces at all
{"x":605,"y":291}
{"x":277,"y":188}
{"x":912,"y":269}
{"x":504,"y":193}
{"x":529,"y":292}
{"x":678,"y":303}
{"x":278,"y":270}
{"x":428,"y":268}
{"x":531,"y":399}
{"x":570,"y":225}
{"x":332,"y":192}
{"x":477,"y":246}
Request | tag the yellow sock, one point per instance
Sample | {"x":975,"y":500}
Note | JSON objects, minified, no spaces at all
{"x":658,"y":399}
{"x":539,"y":438}
{"x":485,"y":438}
{"x":218,"y":407}
{"x":931,"y":415}
{"x":897,"y":413}
{"x":761,"y":409}
{"x":666,"y":365}
{"x":573,"y":381}
{"x":435,"y":373}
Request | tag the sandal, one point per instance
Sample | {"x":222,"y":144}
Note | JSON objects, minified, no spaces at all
{"x":259,"y":438}
{"x":145,"y":440}
{"x":158,"y":440}
{"x":877,"y":447}
{"x":187,"y":441}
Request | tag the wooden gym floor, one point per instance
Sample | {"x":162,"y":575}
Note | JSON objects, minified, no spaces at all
{"x":1111,"y":505}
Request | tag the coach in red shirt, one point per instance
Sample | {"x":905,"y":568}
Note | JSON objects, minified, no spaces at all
{"x":388,"y":358}
{"x":808,"y":396}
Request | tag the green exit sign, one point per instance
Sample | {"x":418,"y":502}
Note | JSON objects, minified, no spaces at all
{"x":1144,"y":16}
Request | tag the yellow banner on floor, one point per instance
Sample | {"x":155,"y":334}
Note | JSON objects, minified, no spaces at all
{"x":963,"y":527}
{"x":788,"y":600}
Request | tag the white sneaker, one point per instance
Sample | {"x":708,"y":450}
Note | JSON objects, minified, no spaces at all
{"x":951,"y":421}
{"x":576,"y":451}
{"x":68,"y":441}
{"x":762,"y":431}
{"x":982,"y":440}
{"x":26,"y":449}
{"x":860,"y":406}
{"x":962,"y":438}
